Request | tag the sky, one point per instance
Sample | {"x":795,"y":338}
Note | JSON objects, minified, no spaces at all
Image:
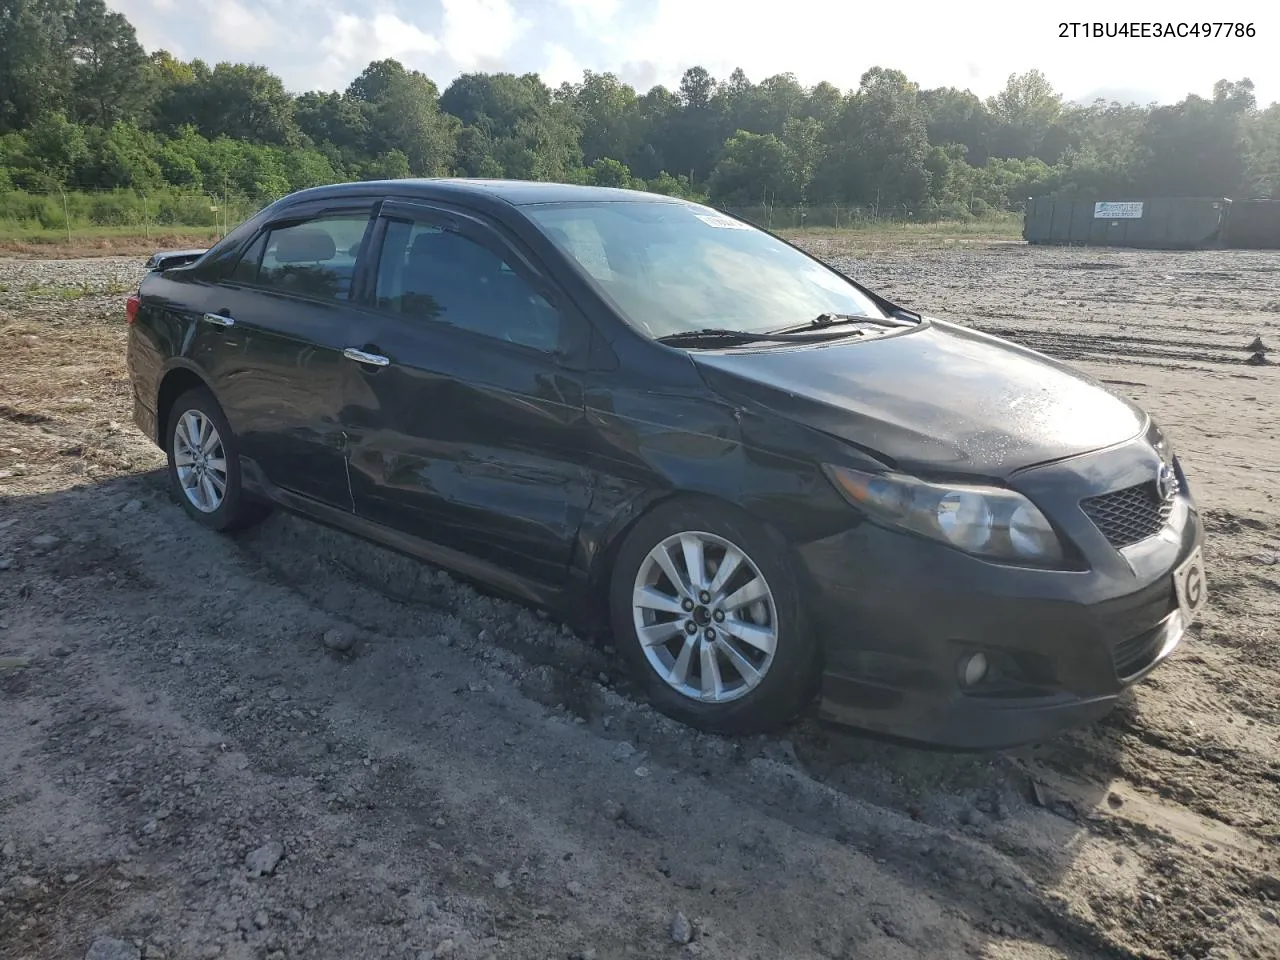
{"x":324,"y":44}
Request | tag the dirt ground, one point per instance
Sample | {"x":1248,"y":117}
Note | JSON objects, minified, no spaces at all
{"x":291,"y":745}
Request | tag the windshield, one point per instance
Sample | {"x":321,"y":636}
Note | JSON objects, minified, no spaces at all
{"x":675,"y":267}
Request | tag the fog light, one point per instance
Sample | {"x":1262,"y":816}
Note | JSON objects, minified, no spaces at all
{"x":973,"y":669}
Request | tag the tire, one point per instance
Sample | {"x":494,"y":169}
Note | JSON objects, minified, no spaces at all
{"x":785,"y":679}
{"x":196,"y":412}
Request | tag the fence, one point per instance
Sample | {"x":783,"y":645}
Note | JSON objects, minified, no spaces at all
{"x":143,"y":211}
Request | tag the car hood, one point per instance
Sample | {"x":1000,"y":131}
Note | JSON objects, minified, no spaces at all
{"x":939,"y":397}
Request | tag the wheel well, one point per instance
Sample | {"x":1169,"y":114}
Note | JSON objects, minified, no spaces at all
{"x":602,"y":569}
{"x":175,"y":383}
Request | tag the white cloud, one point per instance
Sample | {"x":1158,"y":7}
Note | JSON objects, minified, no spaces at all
{"x":480,"y":32}
{"x":591,"y":14}
{"x":559,"y":65}
{"x":353,"y":42}
{"x":239,"y":29}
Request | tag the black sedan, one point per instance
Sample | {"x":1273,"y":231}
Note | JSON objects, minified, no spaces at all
{"x":770,"y":484}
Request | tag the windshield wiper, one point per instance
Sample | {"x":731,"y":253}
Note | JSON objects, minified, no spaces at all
{"x":824,"y":320}
{"x":717,"y":335}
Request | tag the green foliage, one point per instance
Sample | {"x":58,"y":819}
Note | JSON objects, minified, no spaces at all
{"x":135,"y":138}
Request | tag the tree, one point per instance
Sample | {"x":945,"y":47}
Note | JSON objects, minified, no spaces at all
{"x":236,"y":100}
{"x":527,"y":134}
{"x":607,"y":119}
{"x":609,"y":173}
{"x":109,"y":73}
{"x":55,"y":147}
{"x":35,"y":75}
{"x":754,"y":168}
{"x":958,"y":116}
{"x":1263,"y":153}
{"x":404,"y":115}
{"x":876,"y":150}
{"x":1024,"y":111}
{"x":1198,"y":145}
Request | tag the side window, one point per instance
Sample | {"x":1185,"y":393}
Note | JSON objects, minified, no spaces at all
{"x":428,"y":273}
{"x":246,"y":270}
{"x":314,"y":259}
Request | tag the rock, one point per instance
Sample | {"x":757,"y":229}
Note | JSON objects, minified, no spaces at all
{"x":613,"y":810}
{"x":624,"y":750}
{"x":133,"y":506}
{"x":9,"y":850}
{"x":1115,"y":800}
{"x":264,"y":859}
{"x":108,"y":948}
{"x":1257,"y":346}
{"x":261,"y":920}
{"x":26,"y":888}
{"x":444,"y":948}
{"x":502,"y":879}
{"x":339,"y":640}
{"x":153,"y":952}
{"x":62,"y":650}
{"x":574,"y":888}
{"x":681,"y":929}
{"x":46,"y":541}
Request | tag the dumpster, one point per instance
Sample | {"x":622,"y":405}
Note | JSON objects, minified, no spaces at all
{"x":1173,"y":223}
{"x":1253,"y":225}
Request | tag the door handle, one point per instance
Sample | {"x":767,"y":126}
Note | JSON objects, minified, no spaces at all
{"x":220,"y":319}
{"x":359,"y":356}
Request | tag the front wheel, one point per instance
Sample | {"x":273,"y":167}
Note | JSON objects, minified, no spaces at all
{"x":708,"y":611}
{"x":204,"y":464}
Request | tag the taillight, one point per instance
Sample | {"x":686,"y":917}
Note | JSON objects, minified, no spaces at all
{"x":131,"y":307}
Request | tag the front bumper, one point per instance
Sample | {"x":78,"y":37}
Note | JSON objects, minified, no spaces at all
{"x":898,"y":613}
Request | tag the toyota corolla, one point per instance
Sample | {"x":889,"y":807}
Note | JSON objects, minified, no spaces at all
{"x":772,"y":486}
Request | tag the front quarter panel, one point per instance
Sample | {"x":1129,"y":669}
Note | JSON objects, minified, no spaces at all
{"x":656,"y":431}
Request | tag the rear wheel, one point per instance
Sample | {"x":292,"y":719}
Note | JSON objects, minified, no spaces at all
{"x":708,"y":611}
{"x":204,"y":464}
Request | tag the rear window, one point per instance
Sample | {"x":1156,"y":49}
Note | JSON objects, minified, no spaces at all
{"x":313,"y":259}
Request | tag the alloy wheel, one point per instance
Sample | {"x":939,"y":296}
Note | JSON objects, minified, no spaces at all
{"x":200,"y":461}
{"x":705,"y":617}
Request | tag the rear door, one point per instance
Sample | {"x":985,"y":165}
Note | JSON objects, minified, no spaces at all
{"x":286,"y":307}
{"x":464,"y":414}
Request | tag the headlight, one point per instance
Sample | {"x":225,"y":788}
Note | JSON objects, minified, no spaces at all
{"x":986,"y":521}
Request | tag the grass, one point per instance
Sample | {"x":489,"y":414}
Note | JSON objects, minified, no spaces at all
{"x":25,"y":240}
{"x":863,"y":239}
{"x":76,"y":292}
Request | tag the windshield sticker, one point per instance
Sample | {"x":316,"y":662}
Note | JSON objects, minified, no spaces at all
{"x":723,"y":223}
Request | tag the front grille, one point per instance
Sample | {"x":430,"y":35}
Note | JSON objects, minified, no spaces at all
{"x":1129,"y":515}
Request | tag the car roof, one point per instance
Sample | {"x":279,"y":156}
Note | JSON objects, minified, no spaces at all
{"x":515,"y":192}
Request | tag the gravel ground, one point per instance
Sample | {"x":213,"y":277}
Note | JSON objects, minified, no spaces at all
{"x":288,"y":744}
